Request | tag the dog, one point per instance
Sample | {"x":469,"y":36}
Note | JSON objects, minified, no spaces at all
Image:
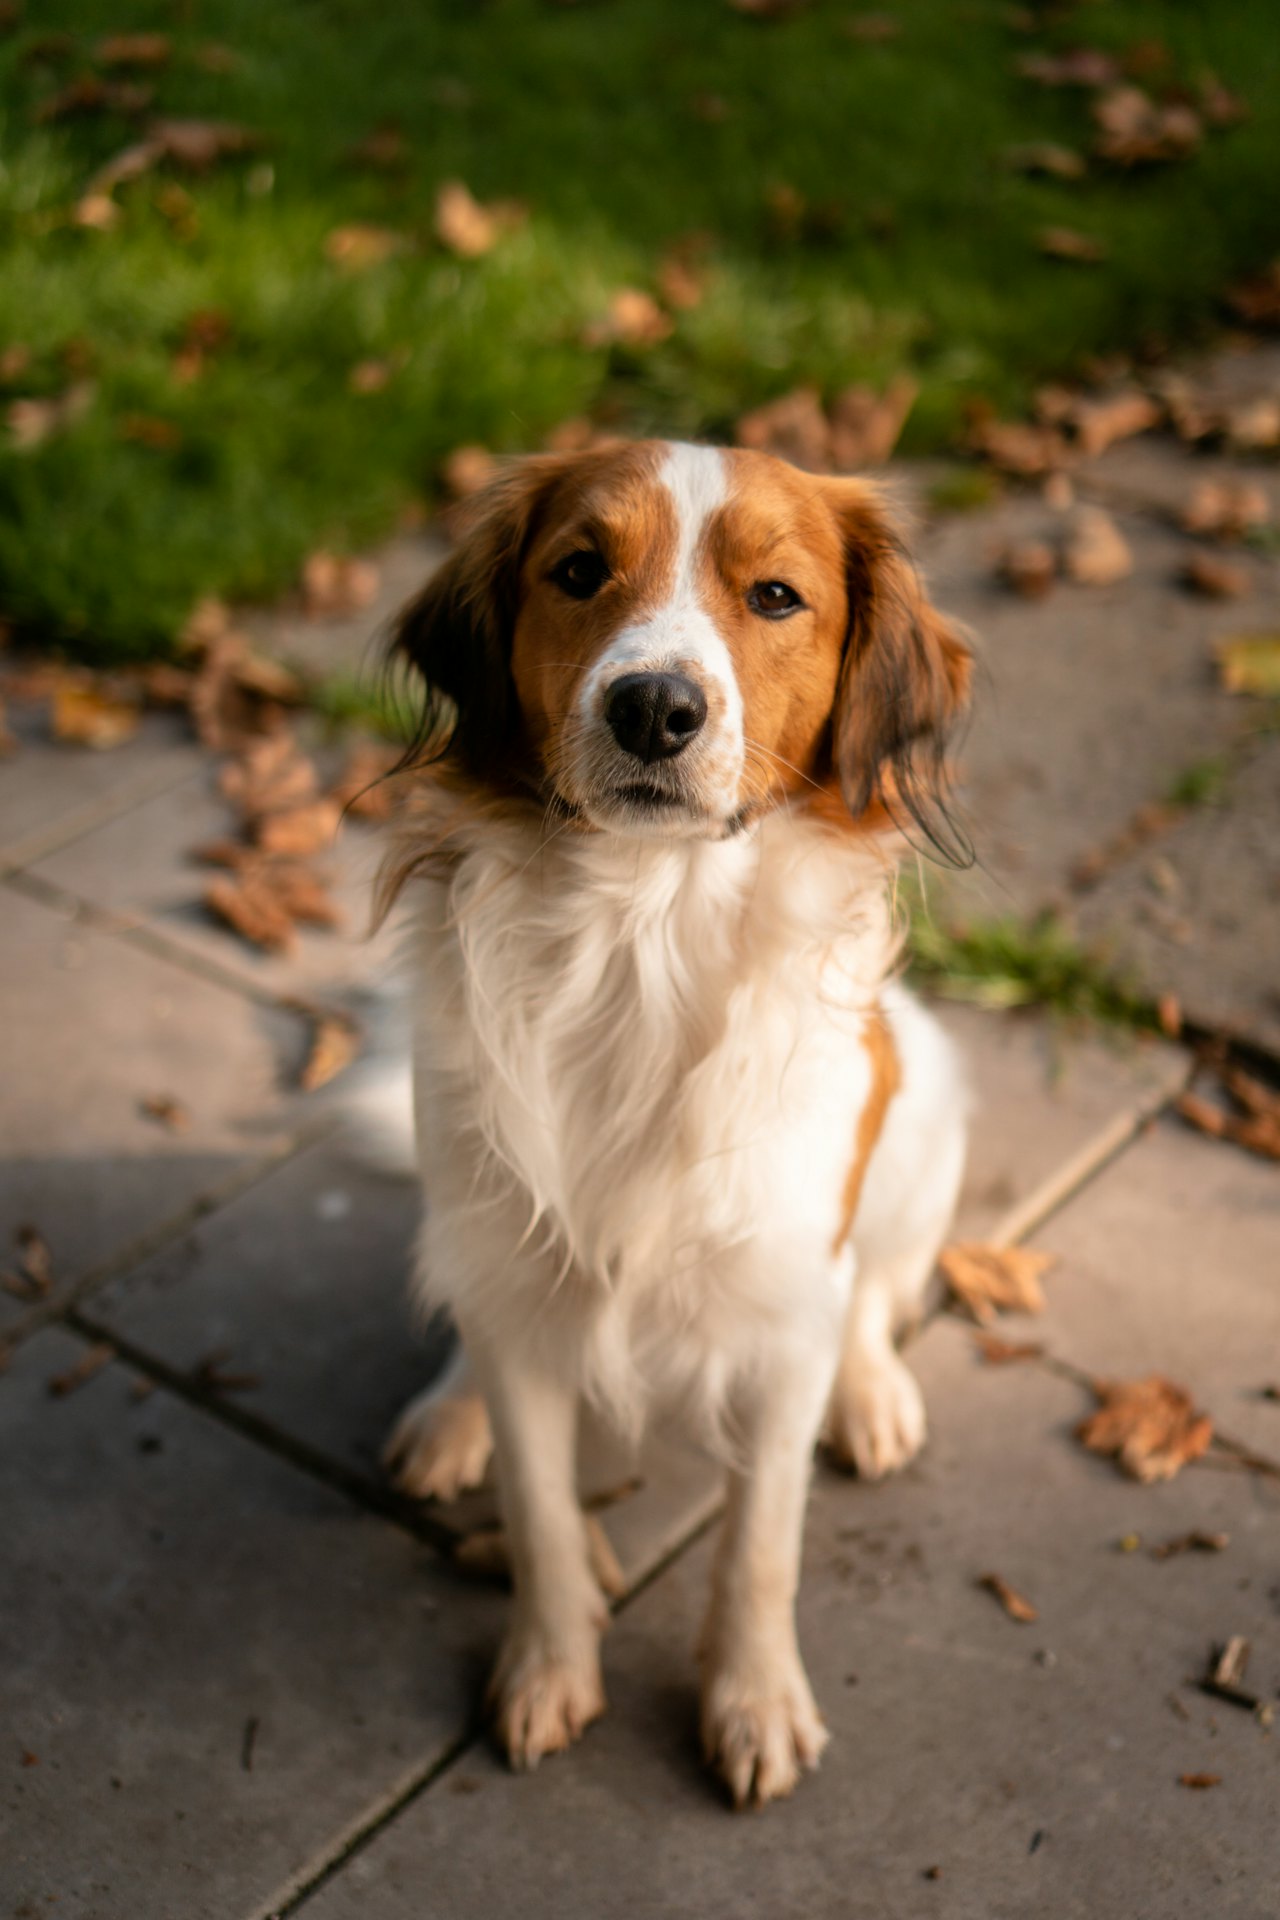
{"x":686,"y":1142}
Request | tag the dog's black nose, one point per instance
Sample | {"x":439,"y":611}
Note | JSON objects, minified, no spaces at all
{"x":653,"y":715}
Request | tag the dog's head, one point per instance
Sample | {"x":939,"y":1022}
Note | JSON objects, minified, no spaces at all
{"x":667,"y":640}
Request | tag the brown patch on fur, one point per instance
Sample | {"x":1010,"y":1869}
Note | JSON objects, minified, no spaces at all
{"x":886,"y":1078}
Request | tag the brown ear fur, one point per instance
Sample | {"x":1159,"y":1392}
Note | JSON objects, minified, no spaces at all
{"x":904,"y":682}
{"x":458,"y":631}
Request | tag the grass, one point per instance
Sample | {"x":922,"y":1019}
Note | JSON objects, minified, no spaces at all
{"x":1009,"y":962}
{"x":901,"y":239}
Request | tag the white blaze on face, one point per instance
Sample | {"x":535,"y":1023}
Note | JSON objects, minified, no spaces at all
{"x":681,"y":637}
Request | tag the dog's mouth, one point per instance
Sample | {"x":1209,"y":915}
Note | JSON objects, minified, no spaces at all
{"x":644,"y":794}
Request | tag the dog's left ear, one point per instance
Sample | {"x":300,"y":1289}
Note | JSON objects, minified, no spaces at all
{"x":904,"y":680}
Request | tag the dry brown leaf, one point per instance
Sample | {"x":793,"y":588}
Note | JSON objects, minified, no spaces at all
{"x":1081,"y":67}
{"x":302,"y":893}
{"x":31,"y":422}
{"x":467,"y":470}
{"x":267,"y":775}
{"x":166,"y":1110}
{"x":214,"y":1376}
{"x":81,"y":1371}
{"x":1216,"y":578}
{"x":1067,"y":243}
{"x":335,"y":1042}
{"x":236,"y":695}
{"x":196,"y":145}
{"x":987,"y":1280}
{"x":334,"y":584}
{"x":486,"y":1554}
{"x":633,"y":319}
{"x":1249,"y":663}
{"x":134,"y":50}
{"x":356,"y":247}
{"x":1218,"y":105}
{"x":35,"y":1262}
{"x":1199,"y":1781}
{"x":1169,"y":1015}
{"x":1257,"y":1128}
{"x":369,"y":376}
{"x":1015,"y":1604}
{"x":1134,"y":130}
{"x":385,"y":150}
{"x":1004,"y":1353}
{"x":1096,"y":553}
{"x":1227,"y":509}
{"x":1045,"y":156}
{"x":149,"y":430}
{"x":1029,"y":568}
{"x":866,"y":426}
{"x":1194,"y":1542}
{"x":92,"y":94}
{"x":251,"y":909}
{"x":1098,"y":424}
{"x":1018,"y":447}
{"x":794,"y":427}
{"x":682,"y":273}
{"x":466,"y":227}
{"x":1252,"y":425}
{"x":1257,"y":301}
{"x":363,"y":788}
{"x":296,"y":832}
{"x":86,"y":715}
{"x":1150,"y":1426}
{"x":8,"y":739}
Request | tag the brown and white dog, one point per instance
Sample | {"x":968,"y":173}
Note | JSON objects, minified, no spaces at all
{"x":685,"y":1144}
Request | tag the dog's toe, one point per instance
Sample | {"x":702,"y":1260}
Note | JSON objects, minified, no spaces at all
{"x":761,"y":1739}
{"x":877,"y":1419}
{"x":439,"y":1448}
{"x":543,"y":1701}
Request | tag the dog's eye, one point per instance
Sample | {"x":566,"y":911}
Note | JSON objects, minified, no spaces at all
{"x":774,"y":599}
{"x":580,"y":575}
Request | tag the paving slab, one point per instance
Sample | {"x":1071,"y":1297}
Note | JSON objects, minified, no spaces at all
{"x":1169,"y":1263}
{"x":49,"y":792}
{"x":213,"y":1665}
{"x":1031,"y":1769}
{"x":1197,"y":913}
{"x":141,"y":866}
{"x":93,"y":1027}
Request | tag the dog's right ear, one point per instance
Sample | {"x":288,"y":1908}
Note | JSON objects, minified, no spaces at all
{"x":458,"y":631}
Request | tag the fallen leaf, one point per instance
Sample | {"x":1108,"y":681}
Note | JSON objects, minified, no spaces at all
{"x":1066,"y":243}
{"x":468,"y":470}
{"x":302,"y":894}
{"x":1018,"y":447}
{"x":363,"y":788}
{"x":1257,"y":301}
{"x":1216,"y":578}
{"x":267,"y":776}
{"x":1219,"y":106}
{"x":149,"y":430}
{"x":1228,"y":509}
{"x":92,"y":94}
{"x":169,"y":1112}
{"x":214,"y":1376}
{"x":356,"y":248}
{"x":237,"y":695}
{"x":196,"y":145}
{"x":369,"y":376}
{"x":794,"y":427}
{"x":1199,"y":1781}
{"x":1249,"y":663}
{"x":97,"y":211}
{"x":334,"y":585}
{"x":81,"y":1371}
{"x":466,"y":227}
{"x":1098,"y":424}
{"x":249,"y":907}
{"x":8,"y":739}
{"x":1029,"y":568}
{"x":296,"y":832}
{"x":1256,"y":1127}
{"x":1150,"y":1426}
{"x":85,"y":715}
{"x":335,"y":1042}
{"x":1045,"y":156}
{"x":385,"y":150}
{"x":1096,"y":553}
{"x":1081,"y":67}
{"x":35,"y":1262}
{"x":1003,"y":1353}
{"x":1015,"y":1605}
{"x":682,"y":273}
{"x":633,"y":319}
{"x":866,"y":426}
{"x":987,"y":1280}
{"x":32,"y":422}
{"x":1194,"y":1542}
{"x":1134,"y":130}
{"x":134,"y":50}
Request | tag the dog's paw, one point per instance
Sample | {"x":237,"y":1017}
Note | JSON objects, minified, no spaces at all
{"x":439,"y":1448}
{"x":543,"y":1699}
{"x":760,"y":1734}
{"x":876,"y":1422}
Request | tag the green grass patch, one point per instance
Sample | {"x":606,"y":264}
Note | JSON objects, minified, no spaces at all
{"x":1010,"y":962}
{"x":1203,"y":784}
{"x":901,"y":239}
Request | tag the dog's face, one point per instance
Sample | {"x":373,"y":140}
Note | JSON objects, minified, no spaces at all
{"x":666,"y":640}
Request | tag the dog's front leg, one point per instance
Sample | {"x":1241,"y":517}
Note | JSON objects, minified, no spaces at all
{"x":547,"y":1685}
{"x":760,"y":1727}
